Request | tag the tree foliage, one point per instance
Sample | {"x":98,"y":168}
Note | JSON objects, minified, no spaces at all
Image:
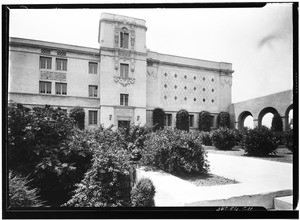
{"x":183,"y":120}
{"x":78,"y":114}
{"x":143,"y":194}
{"x":158,"y":119}
{"x":224,"y":119}
{"x":204,"y":121}
{"x":277,"y":124}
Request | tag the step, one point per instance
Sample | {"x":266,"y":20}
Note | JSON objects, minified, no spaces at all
{"x":283,"y":203}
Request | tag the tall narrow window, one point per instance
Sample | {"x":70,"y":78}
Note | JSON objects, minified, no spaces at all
{"x":45,"y":87}
{"x":93,"y":117}
{"x":168,"y":119}
{"x":124,"y":70}
{"x":124,"y":99}
{"x":60,"y":88}
{"x":93,"y":68}
{"x":93,"y":91}
{"x":45,"y":63}
{"x":124,"y":38}
{"x":191,"y":120}
{"x":61,"y":64}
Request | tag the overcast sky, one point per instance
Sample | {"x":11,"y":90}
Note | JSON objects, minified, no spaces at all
{"x":257,"y":41}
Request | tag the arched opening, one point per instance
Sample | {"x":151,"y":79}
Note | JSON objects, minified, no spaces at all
{"x":245,"y":120}
{"x":265,"y":116}
{"x":289,"y":117}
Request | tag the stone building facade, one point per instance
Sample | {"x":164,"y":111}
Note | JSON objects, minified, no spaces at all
{"x":122,"y":82}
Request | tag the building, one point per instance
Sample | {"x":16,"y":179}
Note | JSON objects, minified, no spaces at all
{"x":120,"y":83}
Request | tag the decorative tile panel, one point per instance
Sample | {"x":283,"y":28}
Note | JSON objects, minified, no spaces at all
{"x":50,"y":75}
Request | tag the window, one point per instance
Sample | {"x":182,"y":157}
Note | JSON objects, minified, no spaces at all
{"x":61,"y":64}
{"x":168,"y":119}
{"x":93,"y":91}
{"x":124,"y":70}
{"x":124,"y":38}
{"x":124,"y":99}
{"x":60,"y":88}
{"x":191,"y":120}
{"x":45,"y":87}
{"x":93,"y":68}
{"x":45,"y":63}
{"x":93,"y":117}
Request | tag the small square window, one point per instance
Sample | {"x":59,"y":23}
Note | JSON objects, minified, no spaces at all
{"x":124,"y":69}
{"x":45,"y":87}
{"x":93,"y":67}
{"x":124,"y":99}
{"x":93,"y":91}
{"x":93,"y":117}
{"x":46,"y":63}
{"x":60,"y":88}
{"x":61,"y":64}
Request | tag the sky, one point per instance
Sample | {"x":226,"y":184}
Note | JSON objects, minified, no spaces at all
{"x":257,"y":41}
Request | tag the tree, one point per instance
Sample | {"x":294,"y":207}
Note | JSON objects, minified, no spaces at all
{"x":277,"y":124}
{"x":224,"y":119}
{"x":204,"y":121}
{"x":158,"y":119}
{"x":78,"y":114}
{"x":183,"y":120}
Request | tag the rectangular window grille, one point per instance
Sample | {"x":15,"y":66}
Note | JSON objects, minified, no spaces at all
{"x":60,"y":88}
{"x":45,"y":63}
{"x":93,"y":117}
{"x":61,"y":53}
{"x":93,"y":68}
{"x":191,"y":120}
{"x":124,"y":68}
{"x":124,"y":40}
{"x":93,"y":91}
{"x":61,"y":64}
{"x":168,"y":119}
{"x":46,"y":51}
{"x":45,"y":87}
{"x":124,"y":99}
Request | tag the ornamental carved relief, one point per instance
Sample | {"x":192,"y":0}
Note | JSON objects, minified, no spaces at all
{"x":50,"y":75}
{"x":124,"y":81}
{"x":152,"y":72}
{"x":226,"y":81}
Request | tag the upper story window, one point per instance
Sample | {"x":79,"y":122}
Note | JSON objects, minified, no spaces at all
{"x":61,"y":88}
{"x":45,"y":87}
{"x":191,"y":120}
{"x":124,"y":69}
{"x":61,"y":64}
{"x":124,"y":39}
{"x":93,"y":91}
{"x":93,"y":68}
{"x":168,"y":119}
{"x":124,"y":99}
{"x":45,"y":63}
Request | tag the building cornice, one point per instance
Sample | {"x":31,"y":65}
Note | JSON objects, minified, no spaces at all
{"x":120,"y":21}
{"x":110,"y":49}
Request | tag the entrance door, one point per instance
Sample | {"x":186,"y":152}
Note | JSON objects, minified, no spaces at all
{"x":123,"y":124}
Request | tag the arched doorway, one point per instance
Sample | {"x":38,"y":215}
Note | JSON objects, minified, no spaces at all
{"x":289,"y":117}
{"x":269,"y":113}
{"x":244,"y":120}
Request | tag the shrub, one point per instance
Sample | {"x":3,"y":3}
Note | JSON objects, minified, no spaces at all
{"x":224,"y":119}
{"x":142,"y":194}
{"x":108,"y":183}
{"x":288,"y":139}
{"x":183,"y":120}
{"x":205,"y":138}
{"x":223,"y":138}
{"x":277,"y":124}
{"x":20,"y":194}
{"x":259,"y":141}
{"x":158,"y":119}
{"x":175,"y":151}
{"x":204,"y":121}
{"x":78,"y":114}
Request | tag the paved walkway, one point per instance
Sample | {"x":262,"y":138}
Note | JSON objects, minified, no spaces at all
{"x":260,"y":181}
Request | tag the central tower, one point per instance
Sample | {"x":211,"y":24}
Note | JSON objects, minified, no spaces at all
{"x":122,"y":70}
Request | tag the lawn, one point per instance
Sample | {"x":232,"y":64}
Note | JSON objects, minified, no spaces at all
{"x":283,"y":154}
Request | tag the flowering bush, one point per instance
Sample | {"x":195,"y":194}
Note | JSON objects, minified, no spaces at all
{"x":205,"y":138}
{"x":223,"y":138}
{"x":78,"y":114}
{"x":259,"y":141}
{"x":175,"y":151}
{"x":143,"y":194}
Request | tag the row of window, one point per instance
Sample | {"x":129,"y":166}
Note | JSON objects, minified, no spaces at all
{"x":61,"y":64}
{"x":61,"y":89}
{"x":168,"y":120}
